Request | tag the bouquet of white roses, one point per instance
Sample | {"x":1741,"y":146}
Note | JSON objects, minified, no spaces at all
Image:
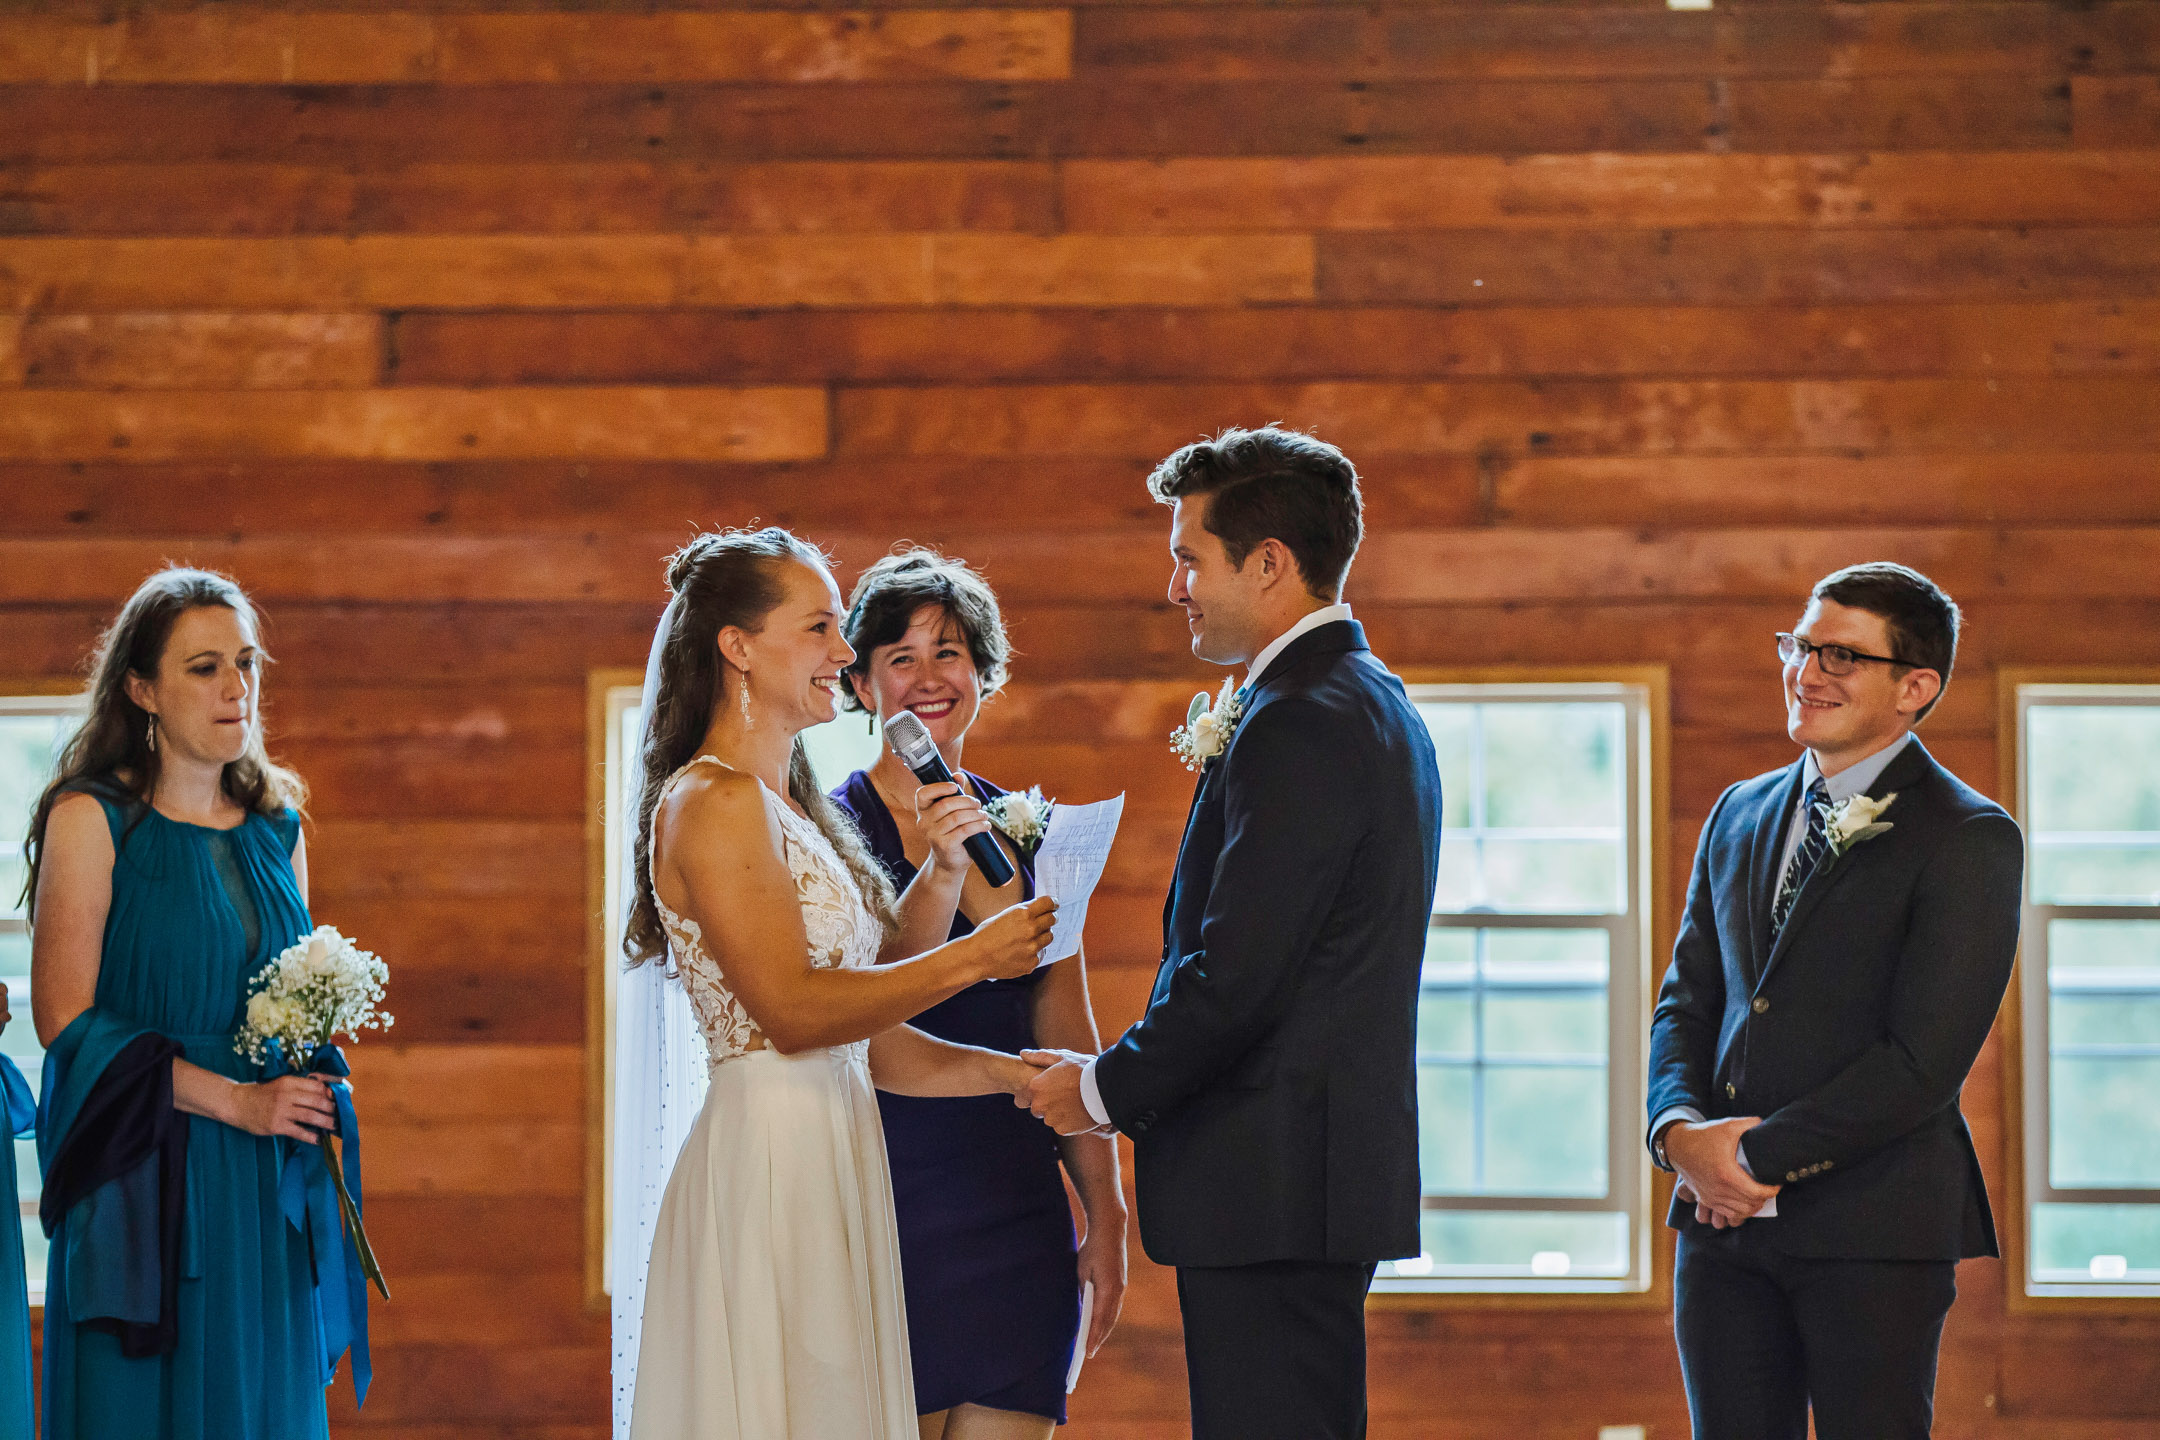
{"x":322,"y":985}
{"x":319,"y":987}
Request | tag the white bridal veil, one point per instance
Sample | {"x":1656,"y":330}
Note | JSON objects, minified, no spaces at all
{"x":659,"y":1081}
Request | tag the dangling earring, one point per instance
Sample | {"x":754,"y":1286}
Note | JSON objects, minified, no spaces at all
{"x":744,"y":693}
{"x":152,"y":737}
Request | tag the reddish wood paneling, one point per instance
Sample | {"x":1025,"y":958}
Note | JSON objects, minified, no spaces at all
{"x":439,"y":322}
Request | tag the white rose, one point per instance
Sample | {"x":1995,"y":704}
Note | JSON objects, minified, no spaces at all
{"x":1207,"y":736}
{"x":1857,"y":820}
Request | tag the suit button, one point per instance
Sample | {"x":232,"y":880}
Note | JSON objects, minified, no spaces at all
{"x":1732,"y":1091}
{"x":1761,"y":1005}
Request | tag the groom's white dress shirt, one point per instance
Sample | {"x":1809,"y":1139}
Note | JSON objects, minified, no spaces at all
{"x":1855,"y":779}
{"x":1090,"y":1093}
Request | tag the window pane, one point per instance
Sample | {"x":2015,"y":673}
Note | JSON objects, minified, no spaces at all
{"x":15,"y":953}
{"x":2103,"y":1132}
{"x":1522,"y":1244}
{"x":26,"y":762}
{"x":1535,"y":818}
{"x":1550,"y":877}
{"x":2065,"y":744}
{"x":2103,"y":1052}
{"x":1450,"y":725}
{"x":1540,"y":1027}
{"x":841,"y":746}
{"x":2079,"y":1022}
{"x":1445,"y":1027}
{"x":2117,"y":948}
{"x":1548,"y":953}
{"x":1514,"y":1044}
{"x":1445,"y":1143}
{"x":1553,"y":765}
{"x":2095,"y":874}
{"x":2080,"y":1244}
{"x":2095,"y":839}
{"x":1545,"y":1131}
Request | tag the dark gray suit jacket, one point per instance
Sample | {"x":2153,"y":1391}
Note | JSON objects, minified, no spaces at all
{"x":1271,"y":1088}
{"x":1853,"y":1036}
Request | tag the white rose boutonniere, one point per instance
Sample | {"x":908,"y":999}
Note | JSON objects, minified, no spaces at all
{"x":1022,"y":818}
{"x":1853,"y":820}
{"x":1207,"y":728}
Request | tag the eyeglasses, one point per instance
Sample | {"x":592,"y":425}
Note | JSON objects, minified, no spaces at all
{"x":1834,"y":659}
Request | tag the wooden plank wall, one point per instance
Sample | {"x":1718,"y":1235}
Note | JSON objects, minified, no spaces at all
{"x":437,"y":323}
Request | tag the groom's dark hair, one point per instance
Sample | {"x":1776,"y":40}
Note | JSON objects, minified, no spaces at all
{"x":1273,"y":484}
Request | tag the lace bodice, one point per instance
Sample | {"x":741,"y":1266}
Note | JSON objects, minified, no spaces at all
{"x":843,"y":933}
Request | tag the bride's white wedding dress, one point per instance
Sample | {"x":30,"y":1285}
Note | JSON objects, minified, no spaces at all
{"x":773,"y":1307}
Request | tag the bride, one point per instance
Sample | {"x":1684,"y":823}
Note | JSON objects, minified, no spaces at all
{"x":772,"y":1303}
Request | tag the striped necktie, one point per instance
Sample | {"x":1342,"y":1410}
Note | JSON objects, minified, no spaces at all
{"x":1814,"y":844}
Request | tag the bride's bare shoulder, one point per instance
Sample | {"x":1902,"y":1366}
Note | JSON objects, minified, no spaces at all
{"x":716,"y":804}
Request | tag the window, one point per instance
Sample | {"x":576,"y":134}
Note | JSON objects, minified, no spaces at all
{"x":2089,"y":1003}
{"x":1534,"y":1005}
{"x":616,"y":717}
{"x":32,"y":730}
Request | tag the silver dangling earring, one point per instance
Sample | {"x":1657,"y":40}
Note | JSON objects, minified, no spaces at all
{"x":744,"y":693}
{"x":153,"y":734}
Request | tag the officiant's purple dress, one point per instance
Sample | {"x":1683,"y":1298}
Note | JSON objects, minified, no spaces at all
{"x":987,"y":1254}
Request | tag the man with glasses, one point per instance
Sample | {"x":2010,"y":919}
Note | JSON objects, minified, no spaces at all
{"x":1849,"y":932}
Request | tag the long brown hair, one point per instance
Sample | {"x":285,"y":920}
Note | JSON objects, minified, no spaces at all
{"x":732,"y":578}
{"x":112,"y":749}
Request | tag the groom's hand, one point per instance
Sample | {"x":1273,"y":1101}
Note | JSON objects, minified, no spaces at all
{"x":1054,"y":1094}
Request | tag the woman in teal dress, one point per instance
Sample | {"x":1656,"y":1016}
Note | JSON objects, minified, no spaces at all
{"x":167,"y":868}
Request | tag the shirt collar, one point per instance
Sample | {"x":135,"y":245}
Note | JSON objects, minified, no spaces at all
{"x":1325,"y":615}
{"x":1857,"y":778}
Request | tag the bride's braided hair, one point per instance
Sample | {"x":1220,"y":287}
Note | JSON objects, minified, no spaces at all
{"x":734,"y":577}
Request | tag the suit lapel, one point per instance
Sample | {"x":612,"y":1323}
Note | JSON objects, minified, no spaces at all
{"x":1333,"y":637}
{"x":1169,"y":905}
{"x":1770,"y":826}
{"x":1908,"y":768}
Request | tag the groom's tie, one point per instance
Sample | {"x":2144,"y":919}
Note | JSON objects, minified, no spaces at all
{"x":1813,"y":844}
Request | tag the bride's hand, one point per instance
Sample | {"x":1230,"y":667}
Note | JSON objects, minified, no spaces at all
{"x":948,"y":817}
{"x":1011,"y":1075}
{"x":1007,"y":945}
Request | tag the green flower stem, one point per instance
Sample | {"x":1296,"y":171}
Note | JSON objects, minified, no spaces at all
{"x":350,"y":1214}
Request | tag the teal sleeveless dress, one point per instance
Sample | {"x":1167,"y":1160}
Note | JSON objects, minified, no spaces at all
{"x":196,"y":913}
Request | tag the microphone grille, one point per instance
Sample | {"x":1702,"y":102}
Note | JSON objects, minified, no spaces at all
{"x":909,"y":739}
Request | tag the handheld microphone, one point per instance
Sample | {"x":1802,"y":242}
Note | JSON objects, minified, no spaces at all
{"x":910,"y":740}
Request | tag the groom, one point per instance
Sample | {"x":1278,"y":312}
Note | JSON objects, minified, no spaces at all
{"x":1270,"y":1090}
{"x":1832,"y":984}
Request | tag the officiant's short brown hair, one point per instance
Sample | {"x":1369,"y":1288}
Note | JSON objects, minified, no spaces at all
{"x":889,"y":593}
{"x":1277,"y":484}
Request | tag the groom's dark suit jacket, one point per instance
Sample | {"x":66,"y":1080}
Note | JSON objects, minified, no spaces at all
{"x":1271,"y":1088}
{"x":1852,"y":1036}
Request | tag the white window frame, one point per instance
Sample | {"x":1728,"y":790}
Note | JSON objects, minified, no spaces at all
{"x":2026,"y":1079}
{"x":1634,"y":935}
{"x":57,"y":703}
{"x":609,"y":695}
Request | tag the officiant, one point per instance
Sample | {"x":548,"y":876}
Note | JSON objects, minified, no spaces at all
{"x":988,"y":1255}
